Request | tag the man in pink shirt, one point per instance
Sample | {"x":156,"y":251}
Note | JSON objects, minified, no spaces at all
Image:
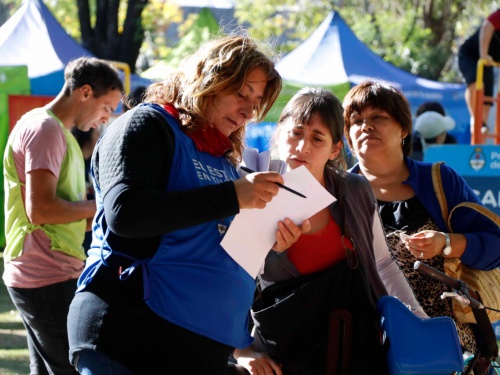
{"x":46,"y":211}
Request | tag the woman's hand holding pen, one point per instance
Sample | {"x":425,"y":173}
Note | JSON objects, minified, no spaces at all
{"x":255,"y":190}
{"x":288,"y":233}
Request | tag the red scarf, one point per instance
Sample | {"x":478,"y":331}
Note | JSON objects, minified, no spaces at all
{"x":209,"y":140}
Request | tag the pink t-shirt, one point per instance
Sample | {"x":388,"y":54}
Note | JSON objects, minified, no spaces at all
{"x":40,"y":145}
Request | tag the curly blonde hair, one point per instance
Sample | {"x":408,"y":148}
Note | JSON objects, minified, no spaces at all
{"x":219,"y":66}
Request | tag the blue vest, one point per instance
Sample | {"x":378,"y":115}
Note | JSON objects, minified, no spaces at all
{"x":192,"y":281}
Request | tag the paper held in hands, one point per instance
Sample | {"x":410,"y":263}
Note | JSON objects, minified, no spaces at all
{"x":253,"y":232}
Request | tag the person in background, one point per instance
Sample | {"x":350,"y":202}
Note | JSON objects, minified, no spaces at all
{"x":484,"y":43}
{"x":437,"y":107}
{"x":87,"y":141}
{"x":433,"y":127}
{"x":46,"y":210}
{"x":378,"y":127}
{"x":159,"y":294}
{"x":431,"y":137}
{"x":309,"y":133}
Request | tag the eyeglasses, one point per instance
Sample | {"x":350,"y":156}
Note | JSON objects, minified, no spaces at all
{"x":373,"y":119}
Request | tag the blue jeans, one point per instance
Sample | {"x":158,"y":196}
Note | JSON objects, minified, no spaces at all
{"x":44,"y":313}
{"x":90,"y":362}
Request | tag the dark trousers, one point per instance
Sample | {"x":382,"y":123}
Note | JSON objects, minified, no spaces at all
{"x":44,"y":313}
{"x":91,"y":362}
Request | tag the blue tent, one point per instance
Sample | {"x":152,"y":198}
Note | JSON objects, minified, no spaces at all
{"x":333,"y":57}
{"x":33,"y":37}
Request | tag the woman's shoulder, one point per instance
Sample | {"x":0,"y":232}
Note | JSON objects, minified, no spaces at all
{"x":445,"y":170}
{"x":452,"y":182}
{"x":418,"y":169}
{"x":144,"y":114}
{"x":138,"y":130}
{"x":423,"y":166}
{"x":142,"y":119}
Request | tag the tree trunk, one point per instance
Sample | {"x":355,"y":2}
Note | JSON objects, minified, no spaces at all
{"x":85,"y":27}
{"x":441,"y":17}
{"x":133,"y":33}
{"x":104,"y":40}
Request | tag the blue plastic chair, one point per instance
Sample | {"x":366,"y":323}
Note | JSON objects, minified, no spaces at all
{"x":418,"y":346}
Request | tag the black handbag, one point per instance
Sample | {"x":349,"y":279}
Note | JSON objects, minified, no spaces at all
{"x":324,"y":323}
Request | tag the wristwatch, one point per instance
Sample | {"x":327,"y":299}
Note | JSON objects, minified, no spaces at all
{"x":447,"y":246}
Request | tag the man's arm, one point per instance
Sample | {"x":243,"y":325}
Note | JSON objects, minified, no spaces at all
{"x":43,"y":206}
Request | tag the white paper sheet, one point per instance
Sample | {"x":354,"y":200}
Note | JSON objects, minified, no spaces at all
{"x":253,"y":231}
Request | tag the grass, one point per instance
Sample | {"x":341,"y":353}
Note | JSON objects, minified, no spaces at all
{"x":14,"y":357}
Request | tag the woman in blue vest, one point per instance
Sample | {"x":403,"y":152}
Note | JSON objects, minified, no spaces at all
{"x":158,"y":293}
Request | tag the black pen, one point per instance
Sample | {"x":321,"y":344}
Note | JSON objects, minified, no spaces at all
{"x":248,"y":170}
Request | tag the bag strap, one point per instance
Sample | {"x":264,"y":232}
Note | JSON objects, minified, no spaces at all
{"x":438,"y":189}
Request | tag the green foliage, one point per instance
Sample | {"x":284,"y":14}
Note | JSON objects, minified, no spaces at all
{"x":418,"y":39}
{"x":419,"y":36}
{"x":405,"y":46}
{"x":158,"y":16}
{"x":282,"y":23}
{"x":7,"y":8}
{"x":66,"y":12}
{"x":155,"y":19}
